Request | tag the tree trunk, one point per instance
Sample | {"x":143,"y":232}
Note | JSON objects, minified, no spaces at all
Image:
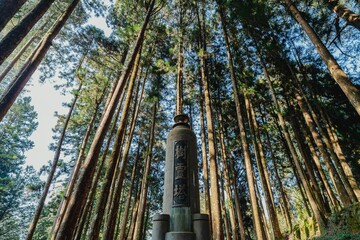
{"x":345,"y":199}
{"x":90,"y":199}
{"x":12,"y":39}
{"x":278,"y":179}
{"x":113,"y":203}
{"x":317,"y":162}
{"x":180,"y":63}
{"x":145,"y":181}
{"x":351,"y":91}
{"x":114,"y":158}
{"x":128,"y":201}
{"x":53,"y":168}
{"x":203,"y":149}
{"x":217,"y":231}
{"x":349,"y":16}
{"x":319,"y":216}
{"x":74,"y":174}
{"x":223,"y":208}
{"x":82,"y":188}
{"x":12,"y":92}
{"x":228,"y":203}
{"x":308,"y":166}
{"x":134,"y":214}
{"x":337,"y":148}
{"x":244,"y":141}
{"x":262,"y":168}
{"x":16,"y":58}
{"x":8,"y":8}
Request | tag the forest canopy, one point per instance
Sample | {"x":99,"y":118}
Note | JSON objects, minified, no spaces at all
{"x":272,"y":89}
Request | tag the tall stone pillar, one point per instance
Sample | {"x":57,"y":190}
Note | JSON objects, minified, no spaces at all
{"x":181,"y":186}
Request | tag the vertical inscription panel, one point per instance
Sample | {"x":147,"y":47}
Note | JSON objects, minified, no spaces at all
{"x":181,"y":175}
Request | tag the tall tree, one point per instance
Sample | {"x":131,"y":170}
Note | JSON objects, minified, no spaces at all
{"x":16,"y":35}
{"x":78,"y":198}
{"x":351,"y":91}
{"x":7,"y":10}
{"x":12,"y":92}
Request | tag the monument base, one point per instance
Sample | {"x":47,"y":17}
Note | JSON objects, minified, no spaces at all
{"x":180,"y":236}
{"x":200,"y":228}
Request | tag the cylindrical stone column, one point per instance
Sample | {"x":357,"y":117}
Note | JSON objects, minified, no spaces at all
{"x":181,"y":185}
{"x":201,"y":226}
{"x":161,"y":225}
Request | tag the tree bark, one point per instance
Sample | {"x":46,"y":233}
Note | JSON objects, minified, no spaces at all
{"x":12,"y":39}
{"x":351,"y":91}
{"x":340,"y":10}
{"x":41,"y":203}
{"x":86,"y":209}
{"x":82,"y":188}
{"x":244,"y":141}
{"x":337,"y":148}
{"x":217,"y":231}
{"x":345,"y":199}
{"x":317,"y":162}
{"x":114,"y":158}
{"x":16,"y":58}
{"x":262,"y":168}
{"x":113,"y":203}
{"x":8,"y":8}
{"x":319,"y":216}
{"x":228,"y":203}
{"x":201,"y":112}
{"x":12,"y":92}
{"x":128,"y":201}
{"x":180,"y":63}
{"x":145,"y":181}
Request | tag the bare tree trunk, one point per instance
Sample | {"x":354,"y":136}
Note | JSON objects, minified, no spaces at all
{"x":203,"y":149}
{"x":308,"y":166}
{"x":41,"y":203}
{"x":223,"y":208}
{"x":12,"y":92}
{"x":16,"y":58}
{"x":217,"y":231}
{"x":128,"y":201}
{"x":228,"y":203}
{"x":90,"y":199}
{"x":114,"y":158}
{"x":180,"y":63}
{"x":113,"y":203}
{"x":349,"y":16}
{"x":319,"y":216}
{"x":81,"y":191}
{"x":134,"y":214}
{"x":76,"y":168}
{"x":244,"y":141}
{"x":351,"y":91}
{"x":262,"y":169}
{"x":317,"y":162}
{"x":8,"y":8}
{"x":278,"y":179}
{"x":343,"y":194}
{"x":12,"y":39}
{"x":337,"y":148}
{"x":145,"y":181}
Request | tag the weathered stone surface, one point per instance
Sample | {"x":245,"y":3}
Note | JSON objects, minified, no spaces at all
{"x":161,"y":223}
{"x":180,"y":236}
{"x":201,"y":226}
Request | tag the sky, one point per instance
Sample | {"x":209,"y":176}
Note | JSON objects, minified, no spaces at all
{"x":46,"y":101}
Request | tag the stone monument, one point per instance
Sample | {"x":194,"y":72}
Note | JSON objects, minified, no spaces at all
{"x":181,"y":218}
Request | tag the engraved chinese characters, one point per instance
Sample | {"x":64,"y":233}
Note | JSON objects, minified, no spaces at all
{"x":180,"y":192}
